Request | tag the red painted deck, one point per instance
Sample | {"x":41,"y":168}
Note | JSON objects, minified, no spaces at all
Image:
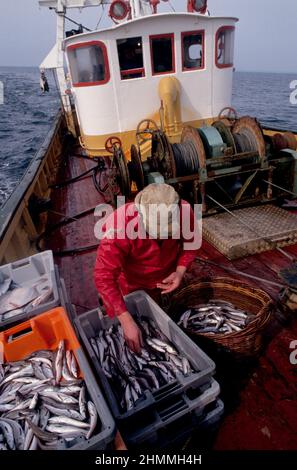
{"x":260,"y":399}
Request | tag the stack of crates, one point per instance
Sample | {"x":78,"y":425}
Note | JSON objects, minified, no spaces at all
{"x":160,"y":417}
{"x":43,"y":327}
{"x":172,"y":412}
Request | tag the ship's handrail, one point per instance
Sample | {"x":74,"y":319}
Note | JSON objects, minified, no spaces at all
{"x":11,"y":205}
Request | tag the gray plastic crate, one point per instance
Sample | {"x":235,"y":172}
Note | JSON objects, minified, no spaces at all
{"x":170,"y":436}
{"x":213,"y":416}
{"x":205,"y":425}
{"x":64,"y":298}
{"x":171,"y":401}
{"x":26,"y":273}
{"x":176,"y":421}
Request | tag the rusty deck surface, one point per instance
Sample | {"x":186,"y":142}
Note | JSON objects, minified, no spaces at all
{"x":261,"y":398}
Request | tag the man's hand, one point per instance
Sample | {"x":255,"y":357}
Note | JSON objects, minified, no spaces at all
{"x":131,"y":331}
{"x":173,"y":281}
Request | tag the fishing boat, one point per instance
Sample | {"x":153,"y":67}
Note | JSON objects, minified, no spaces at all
{"x":148,"y":100}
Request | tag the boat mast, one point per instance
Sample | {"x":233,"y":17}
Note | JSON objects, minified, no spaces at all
{"x":59,"y":71}
{"x":140,"y":8}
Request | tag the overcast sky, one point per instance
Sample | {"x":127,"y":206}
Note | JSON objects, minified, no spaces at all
{"x":266,"y":36}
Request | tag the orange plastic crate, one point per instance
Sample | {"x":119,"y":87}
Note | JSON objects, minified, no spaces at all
{"x":45,"y":331}
{"x":42,"y":332}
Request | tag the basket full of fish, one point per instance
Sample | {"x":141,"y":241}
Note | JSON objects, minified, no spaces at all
{"x":171,"y":378}
{"x":230,"y":313}
{"x":49,"y":398}
{"x":27,"y":287}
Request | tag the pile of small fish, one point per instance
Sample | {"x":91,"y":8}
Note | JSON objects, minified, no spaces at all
{"x":16,"y":300}
{"x":132,"y":374}
{"x":216,"y":317}
{"x":43,"y":400}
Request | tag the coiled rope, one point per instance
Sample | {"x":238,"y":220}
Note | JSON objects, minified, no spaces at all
{"x":186,"y":158}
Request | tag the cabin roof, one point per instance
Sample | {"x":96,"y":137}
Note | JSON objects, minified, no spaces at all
{"x":150,"y":18}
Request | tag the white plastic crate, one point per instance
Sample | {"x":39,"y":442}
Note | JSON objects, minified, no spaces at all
{"x":38,"y":271}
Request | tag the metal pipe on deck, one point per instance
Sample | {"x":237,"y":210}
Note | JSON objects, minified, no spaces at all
{"x":169,"y":92}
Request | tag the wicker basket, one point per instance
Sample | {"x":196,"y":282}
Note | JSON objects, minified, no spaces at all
{"x":247,"y":342}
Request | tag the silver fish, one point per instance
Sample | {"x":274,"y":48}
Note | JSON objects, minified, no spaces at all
{"x":136,"y":373}
{"x":94,"y":346}
{"x":165,"y":346}
{"x":59,"y":361}
{"x":186,"y":366}
{"x":47,"y":371}
{"x":155,"y":346}
{"x":48,"y":445}
{"x":66,"y":374}
{"x":34,"y":401}
{"x":43,"y":435}
{"x":18,"y":433}
{"x":68,"y":359}
{"x":30,"y":434}
{"x":2,"y":372}
{"x":154,"y":379}
{"x":60,"y":397}
{"x":43,"y":418}
{"x":34,"y":444}
{"x":68,"y":413}
{"x":135,"y":385}
{"x":8,"y":434}
{"x":74,"y":366}
{"x":93,"y":419}
{"x":17,"y":298}
{"x":38,"y":371}
{"x":41,"y":360}
{"x":82,"y":402}
{"x":61,"y":420}
{"x":134,"y":394}
{"x":65,"y":430}
{"x":27,"y":371}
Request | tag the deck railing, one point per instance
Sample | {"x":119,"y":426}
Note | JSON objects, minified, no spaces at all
{"x":18,"y":231}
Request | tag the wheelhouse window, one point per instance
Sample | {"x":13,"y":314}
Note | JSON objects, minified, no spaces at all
{"x":193,"y":50}
{"x":88,"y":64}
{"x":162,"y":54}
{"x":225,"y":47}
{"x":130,"y":58}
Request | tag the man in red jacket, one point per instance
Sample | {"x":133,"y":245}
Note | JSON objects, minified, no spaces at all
{"x":144,"y":247}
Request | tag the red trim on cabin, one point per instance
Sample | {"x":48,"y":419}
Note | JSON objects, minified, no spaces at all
{"x":191,"y":33}
{"x":220,"y":30}
{"x":133,"y":72}
{"x":159,"y":36}
{"x":105,"y":57}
